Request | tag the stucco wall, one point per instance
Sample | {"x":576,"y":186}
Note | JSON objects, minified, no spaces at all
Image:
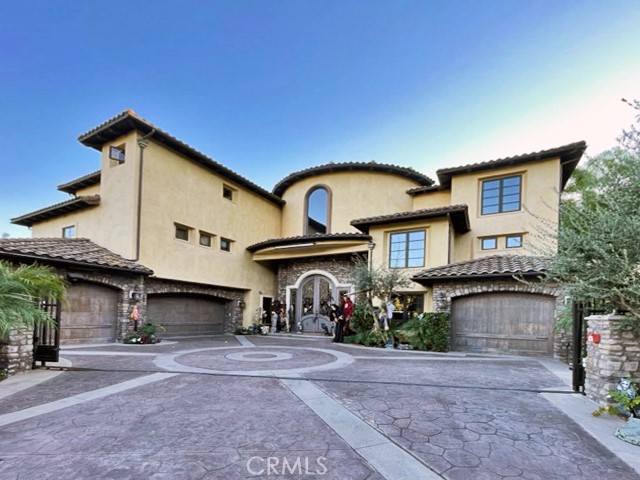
{"x":536,"y":221}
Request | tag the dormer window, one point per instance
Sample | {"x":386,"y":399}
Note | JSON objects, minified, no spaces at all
{"x":117,"y":153}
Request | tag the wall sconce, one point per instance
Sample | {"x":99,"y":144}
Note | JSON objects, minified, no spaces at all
{"x":135,"y":296}
{"x":371,"y":246}
{"x":241,"y":304}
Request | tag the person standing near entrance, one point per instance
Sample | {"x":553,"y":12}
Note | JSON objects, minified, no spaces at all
{"x":274,"y":320}
{"x":347,"y":312}
{"x":336,"y":315}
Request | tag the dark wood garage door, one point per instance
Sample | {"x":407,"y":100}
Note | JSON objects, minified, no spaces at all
{"x":90,"y":315}
{"x":517,"y":323}
{"x":181,"y":315}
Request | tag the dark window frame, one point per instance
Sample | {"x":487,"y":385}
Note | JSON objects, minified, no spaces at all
{"x":225,"y":244}
{"x":68,"y":228}
{"x":228,"y":192}
{"x":486,"y":239}
{"x":208,"y":242}
{"x":518,"y":236}
{"x":500,"y":195}
{"x":405,"y":260}
{"x":179,"y":230}
{"x":117,"y":153}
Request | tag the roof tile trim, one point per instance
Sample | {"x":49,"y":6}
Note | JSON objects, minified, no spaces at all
{"x":319,"y":237}
{"x":57,"y":209}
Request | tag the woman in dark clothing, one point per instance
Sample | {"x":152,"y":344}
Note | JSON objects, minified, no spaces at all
{"x":338,"y":320}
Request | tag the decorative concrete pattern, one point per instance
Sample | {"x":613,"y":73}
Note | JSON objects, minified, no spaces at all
{"x":309,"y":409}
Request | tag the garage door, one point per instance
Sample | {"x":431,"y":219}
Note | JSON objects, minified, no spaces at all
{"x":181,"y":315}
{"x":518,"y":323}
{"x":90,"y":315}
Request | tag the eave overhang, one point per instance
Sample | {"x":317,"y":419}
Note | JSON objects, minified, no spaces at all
{"x":458,"y":216}
{"x":57,"y":210}
{"x":88,"y":180}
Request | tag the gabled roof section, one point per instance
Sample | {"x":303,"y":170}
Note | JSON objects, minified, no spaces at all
{"x":87,"y":180}
{"x":57,"y":210}
{"x":128,"y":121}
{"x":459,"y":215}
{"x":70,"y":252}
{"x":405,"y":172}
{"x":318,"y":237}
{"x":569,"y":157}
{"x":485,"y":267}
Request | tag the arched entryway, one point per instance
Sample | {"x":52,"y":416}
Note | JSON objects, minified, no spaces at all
{"x":313,"y":299}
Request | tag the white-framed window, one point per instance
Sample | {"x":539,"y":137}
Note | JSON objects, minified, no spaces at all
{"x":69,"y":232}
{"x":489,"y":243}
{"x":501,"y":195}
{"x":407,"y":249}
{"x":513,"y":241}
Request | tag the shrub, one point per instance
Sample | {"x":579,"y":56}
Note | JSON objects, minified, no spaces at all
{"x":429,"y":331}
{"x":361,"y":321}
{"x":370,"y":338}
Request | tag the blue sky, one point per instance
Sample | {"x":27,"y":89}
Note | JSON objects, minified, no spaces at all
{"x":269,"y":87}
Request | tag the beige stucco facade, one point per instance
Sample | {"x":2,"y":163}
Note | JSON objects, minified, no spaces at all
{"x":266,"y":231}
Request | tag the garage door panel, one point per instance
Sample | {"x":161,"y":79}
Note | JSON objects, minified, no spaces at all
{"x":90,"y":314}
{"x":503,"y":322}
{"x":180,"y":315}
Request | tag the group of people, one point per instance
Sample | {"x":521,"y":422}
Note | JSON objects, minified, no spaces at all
{"x":340,"y":316}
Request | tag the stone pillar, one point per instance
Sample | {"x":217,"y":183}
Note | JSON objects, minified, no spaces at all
{"x":616,"y":356}
{"x":16,"y":351}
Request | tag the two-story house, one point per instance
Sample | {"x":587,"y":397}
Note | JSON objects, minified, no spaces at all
{"x":215,"y":250}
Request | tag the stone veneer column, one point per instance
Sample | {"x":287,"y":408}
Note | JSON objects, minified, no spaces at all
{"x":16,"y":351}
{"x":615,"y":357}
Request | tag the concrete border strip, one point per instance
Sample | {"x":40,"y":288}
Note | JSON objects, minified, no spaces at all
{"x":390,"y":460}
{"x":244,"y":341}
{"x":28,"y":413}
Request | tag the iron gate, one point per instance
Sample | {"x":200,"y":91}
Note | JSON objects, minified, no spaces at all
{"x":579,"y":339}
{"x":46,"y":338}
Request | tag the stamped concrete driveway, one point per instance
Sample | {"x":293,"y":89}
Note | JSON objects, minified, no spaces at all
{"x":294,"y":407}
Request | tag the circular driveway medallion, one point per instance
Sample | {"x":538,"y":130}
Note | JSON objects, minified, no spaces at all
{"x":258,"y":356}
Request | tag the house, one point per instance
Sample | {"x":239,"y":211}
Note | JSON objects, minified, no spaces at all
{"x":222,"y":249}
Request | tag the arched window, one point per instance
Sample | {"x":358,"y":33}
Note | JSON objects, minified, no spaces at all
{"x":317,"y":211}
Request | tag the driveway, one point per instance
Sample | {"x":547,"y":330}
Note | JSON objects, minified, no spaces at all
{"x":228,"y":407}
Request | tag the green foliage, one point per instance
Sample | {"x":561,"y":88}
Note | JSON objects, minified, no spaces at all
{"x":370,"y":338}
{"x":243,"y":331}
{"x":362,"y":320}
{"x":20,"y":290}
{"x":623,"y":404}
{"x":428,"y":331}
{"x":598,"y":241}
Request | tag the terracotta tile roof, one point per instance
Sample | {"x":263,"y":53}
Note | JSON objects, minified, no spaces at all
{"x":493,"y":266}
{"x":73,"y":186}
{"x":318,"y":237}
{"x":128,"y":121}
{"x":79,"y":252}
{"x":56,"y":210}
{"x":372,"y":166}
{"x":459,"y":215}
{"x":432,"y":188}
{"x":569,"y":157}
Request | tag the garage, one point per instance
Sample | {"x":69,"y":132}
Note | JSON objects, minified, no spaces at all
{"x":182,"y":315}
{"x":505,"y":322}
{"x":90,"y":314}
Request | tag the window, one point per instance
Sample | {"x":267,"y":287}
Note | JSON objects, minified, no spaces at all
{"x":182,"y":233}
{"x":501,"y":195}
{"x":117,"y":153}
{"x":205,"y":239}
{"x":317,"y":213}
{"x":490,"y":243}
{"x":514,"y":241}
{"x":69,"y":232}
{"x":406,"y":249}
{"x":228,"y":192}
{"x":225,"y":244}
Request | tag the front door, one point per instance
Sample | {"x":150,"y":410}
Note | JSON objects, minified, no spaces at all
{"x":313,"y":301}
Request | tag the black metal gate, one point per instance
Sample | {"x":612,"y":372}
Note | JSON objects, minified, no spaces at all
{"x":579,"y":340}
{"x":46,"y":339}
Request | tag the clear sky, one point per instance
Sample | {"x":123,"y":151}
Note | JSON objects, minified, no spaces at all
{"x":269,"y":87}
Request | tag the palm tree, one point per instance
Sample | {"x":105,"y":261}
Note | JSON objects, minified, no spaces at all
{"x":20,"y":290}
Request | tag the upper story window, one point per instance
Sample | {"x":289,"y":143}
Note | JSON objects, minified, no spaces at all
{"x":69,"y":232}
{"x":117,"y":153}
{"x":489,"y":243}
{"x":513,"y":241}
{"x":225,"y":244}
{"x":205,"y":239}
{"x":317,"y":211}
{"x":228,"y":192}
{"x":182,"y":232}
{"x":407,"y":249}
{"x":501,"y":195}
